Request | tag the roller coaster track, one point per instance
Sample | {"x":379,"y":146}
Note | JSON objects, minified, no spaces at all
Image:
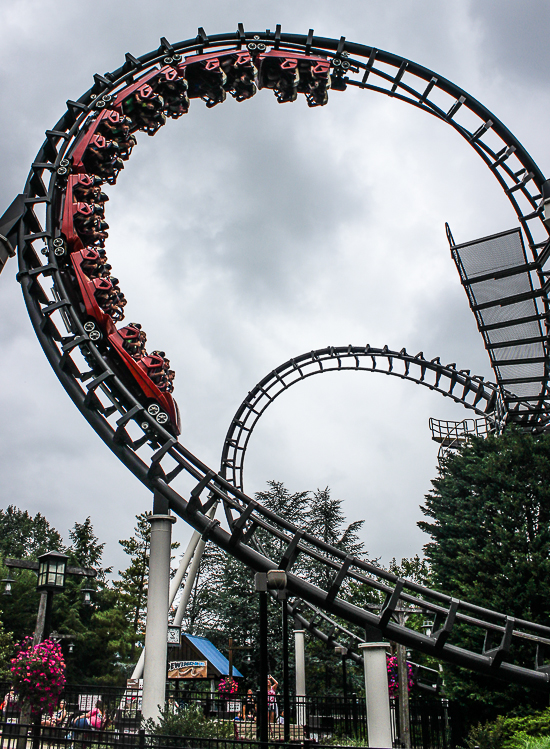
{"x":169,"y":469}
{"x":459,"y":385}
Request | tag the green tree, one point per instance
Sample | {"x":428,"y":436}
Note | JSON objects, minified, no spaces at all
{"x":102,"y":636}
{"x":228,"y":604}
{"x":23,"y":536}
{"x":490,"y":507}
{"x":132,"y":585}
{"x":6,"y":653}
{"x":292,"y":506}
{"x":327,"y":522}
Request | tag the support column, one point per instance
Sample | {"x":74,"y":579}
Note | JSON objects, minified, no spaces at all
{"x":154,"y":677}
{"x":189,"y":583}
{"x":377,"y":694}
{"x":300,"y":658}
{"x":195,"y":547}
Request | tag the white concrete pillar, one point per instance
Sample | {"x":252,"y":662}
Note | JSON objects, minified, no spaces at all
{"x":300,"y":660}
{"x":174,"y":587}
{"x":377,"y":694}
{"x":154,"y":677}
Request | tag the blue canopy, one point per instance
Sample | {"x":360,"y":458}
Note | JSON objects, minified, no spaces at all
{"x":209,"y":651}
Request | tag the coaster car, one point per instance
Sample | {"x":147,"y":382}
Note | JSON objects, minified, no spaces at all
{"x":155,"y":95}
{"x":210,"y":77}
{"x":160,"y":404}
{"x":289,"y":74}
{"x":83,"y":212}
{"x":97,"y":320}
{"x":103,"y":146}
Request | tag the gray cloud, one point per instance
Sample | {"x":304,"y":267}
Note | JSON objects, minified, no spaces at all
{"x":254,"y":232}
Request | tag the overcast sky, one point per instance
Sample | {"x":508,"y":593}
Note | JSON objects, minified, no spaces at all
{"x":250,"y":233}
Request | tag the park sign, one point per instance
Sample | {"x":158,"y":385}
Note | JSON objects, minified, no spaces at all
{"x":187,"y":670}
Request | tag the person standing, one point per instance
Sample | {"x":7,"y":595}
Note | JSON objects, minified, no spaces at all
{"x":272,"y":685}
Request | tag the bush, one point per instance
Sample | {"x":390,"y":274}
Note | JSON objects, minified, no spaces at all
{"x":533,"y":742}
{"x":526,"y":732}
{"x":188,"y":721}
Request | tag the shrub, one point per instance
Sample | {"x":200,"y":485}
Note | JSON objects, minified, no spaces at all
{"x":188,"y":721}
{"x":526,"y":732}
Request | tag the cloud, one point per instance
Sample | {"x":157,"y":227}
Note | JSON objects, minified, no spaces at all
{"x":254,"y":232}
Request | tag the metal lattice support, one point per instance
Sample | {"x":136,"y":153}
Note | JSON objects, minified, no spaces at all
{"x":47,"y":225}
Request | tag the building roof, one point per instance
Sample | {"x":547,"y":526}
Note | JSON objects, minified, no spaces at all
{"x":209,"y":651}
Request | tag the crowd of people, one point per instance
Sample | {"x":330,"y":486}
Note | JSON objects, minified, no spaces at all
{"x":94,"y":718}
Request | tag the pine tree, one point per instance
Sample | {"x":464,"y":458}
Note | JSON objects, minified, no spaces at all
{"x":102,"y":636}
{"x":326,"y":521}
{"x":293,"y":507}
{"x":85,"y":549}
{"x":490,"y":508}
{"x":132,"y":585}
{"x":225,"y":603}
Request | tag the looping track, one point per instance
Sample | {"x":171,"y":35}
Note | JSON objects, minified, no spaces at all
{"x":472,"y":392}
{"x":155,"y":457}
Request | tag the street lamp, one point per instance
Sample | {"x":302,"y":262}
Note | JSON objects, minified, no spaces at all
{"x":87,"y":596}
{"x":7,"y":584}
{"x":52,"y":567}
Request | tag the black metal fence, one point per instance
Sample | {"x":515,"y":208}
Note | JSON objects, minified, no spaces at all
{"x":216,"y":721}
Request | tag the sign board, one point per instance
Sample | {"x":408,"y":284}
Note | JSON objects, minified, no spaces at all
{"x":187,"y":670}
{"x":173,"y":635}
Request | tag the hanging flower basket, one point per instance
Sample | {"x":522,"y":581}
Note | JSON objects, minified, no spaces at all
{"x":227,"y":686}
{"x":393,"y":678}
{"x":38,"y":673}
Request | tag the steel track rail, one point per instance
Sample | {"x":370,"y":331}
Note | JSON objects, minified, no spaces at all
{"x":162,"y":464}
{"x":459,"y":385}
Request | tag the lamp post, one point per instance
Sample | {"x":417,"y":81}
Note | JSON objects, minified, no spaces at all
{"x":260,"y":584}
{"x":273,"y":580}
{"x":52,"y":570}
{"x":343,"y":652}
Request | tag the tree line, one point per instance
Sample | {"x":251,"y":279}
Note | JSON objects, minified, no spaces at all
{"x":487,"y":521}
